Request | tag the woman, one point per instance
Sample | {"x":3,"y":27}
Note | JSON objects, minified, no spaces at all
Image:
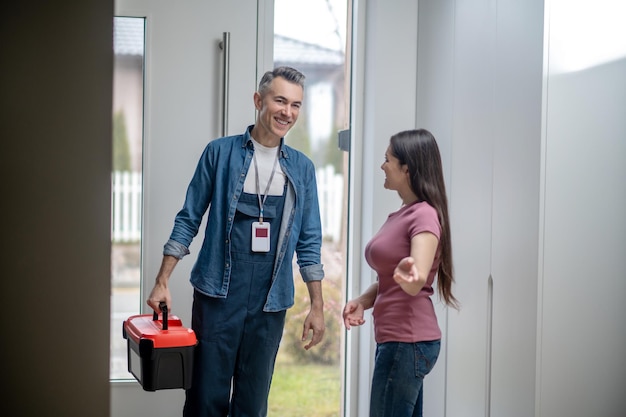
{"x":410,"y":249}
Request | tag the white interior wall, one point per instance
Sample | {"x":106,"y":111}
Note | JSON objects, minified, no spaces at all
{"x":582,"y":336}
{"x":515,"y":173}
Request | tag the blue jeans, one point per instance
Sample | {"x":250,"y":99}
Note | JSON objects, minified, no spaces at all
{"x":399,"y":372}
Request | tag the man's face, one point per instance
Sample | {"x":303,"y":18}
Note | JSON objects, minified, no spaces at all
{"x":279,"y":108}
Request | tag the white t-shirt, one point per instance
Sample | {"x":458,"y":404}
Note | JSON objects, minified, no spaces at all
{"x":265,"y":158}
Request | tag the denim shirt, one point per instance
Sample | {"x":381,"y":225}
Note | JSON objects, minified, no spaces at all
{"x":217,"y":183}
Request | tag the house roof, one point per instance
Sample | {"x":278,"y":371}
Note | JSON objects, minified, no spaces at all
{"x":289,"y":50}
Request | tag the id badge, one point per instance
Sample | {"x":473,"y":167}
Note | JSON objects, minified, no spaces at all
{"x":260,"y":237}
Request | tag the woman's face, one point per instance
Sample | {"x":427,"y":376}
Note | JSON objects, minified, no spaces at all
{"x":396,"y":177}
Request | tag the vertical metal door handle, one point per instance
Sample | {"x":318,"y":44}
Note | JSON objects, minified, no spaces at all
{"x":225,"y":46}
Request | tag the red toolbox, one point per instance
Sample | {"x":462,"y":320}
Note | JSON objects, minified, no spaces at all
{"x":160,"y":350}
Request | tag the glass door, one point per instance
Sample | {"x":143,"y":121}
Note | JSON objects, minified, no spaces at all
{"x":311,"y":36}
{"x":126,"y":186}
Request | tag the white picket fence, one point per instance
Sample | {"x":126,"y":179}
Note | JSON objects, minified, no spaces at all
{"x":127,"y":198}
{"x":126,"y":206}
{"x":330,"y":194}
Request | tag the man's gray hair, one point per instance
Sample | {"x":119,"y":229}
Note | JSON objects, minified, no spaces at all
{"x":290,"y":74}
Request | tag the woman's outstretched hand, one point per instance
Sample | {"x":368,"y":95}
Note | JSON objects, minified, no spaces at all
{"x":407,"y":277}
{"x":353,"y":314}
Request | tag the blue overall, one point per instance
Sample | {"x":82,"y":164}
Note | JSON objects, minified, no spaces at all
{"x":238,"y":342}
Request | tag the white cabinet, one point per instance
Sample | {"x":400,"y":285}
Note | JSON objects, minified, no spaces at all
{"x":535,"y":161}
{"x":484,"y":107}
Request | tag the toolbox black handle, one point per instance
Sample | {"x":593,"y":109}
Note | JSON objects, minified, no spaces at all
{"x":155,"y":316}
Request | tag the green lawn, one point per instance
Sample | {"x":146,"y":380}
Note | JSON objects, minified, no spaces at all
{"x":305,"y":390}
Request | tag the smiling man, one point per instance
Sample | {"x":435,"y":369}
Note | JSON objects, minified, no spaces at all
{"x":261,"y":197}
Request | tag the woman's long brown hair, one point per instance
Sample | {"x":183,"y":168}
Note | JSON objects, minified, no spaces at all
{"x":419,"y":151}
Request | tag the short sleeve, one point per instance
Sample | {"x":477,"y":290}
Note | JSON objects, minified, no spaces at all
{"x":424,"y":219}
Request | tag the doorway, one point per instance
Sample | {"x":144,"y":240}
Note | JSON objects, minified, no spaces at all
{"x":181,"y":112}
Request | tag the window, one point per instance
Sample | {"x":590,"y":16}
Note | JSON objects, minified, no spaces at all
{"x":312,"y":40}
{"x":126,"y":186}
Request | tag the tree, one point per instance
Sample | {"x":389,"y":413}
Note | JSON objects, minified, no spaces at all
{"x":334,"y":155}
{"x":121,"y":148}
{"x":298,"y":136}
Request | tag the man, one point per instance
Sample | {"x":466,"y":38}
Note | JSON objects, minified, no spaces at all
{"x":262,"y":200}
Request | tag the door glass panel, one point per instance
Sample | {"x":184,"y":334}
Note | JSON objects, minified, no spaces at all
{"x":310,"y":36}
{"x":126,"y":182}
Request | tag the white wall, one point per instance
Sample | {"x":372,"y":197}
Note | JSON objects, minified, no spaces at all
{"x":582,"y":276}
{"x":55,"y":163}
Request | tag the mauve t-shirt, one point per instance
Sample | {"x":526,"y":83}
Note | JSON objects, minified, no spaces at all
{"x":398,"y":316}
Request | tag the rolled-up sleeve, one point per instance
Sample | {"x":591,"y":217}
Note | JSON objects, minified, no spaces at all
{"x":175,"y":249}
{"x":312,"y":273}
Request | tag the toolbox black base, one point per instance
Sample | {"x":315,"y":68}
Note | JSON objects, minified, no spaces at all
{"x":163,"y":368}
